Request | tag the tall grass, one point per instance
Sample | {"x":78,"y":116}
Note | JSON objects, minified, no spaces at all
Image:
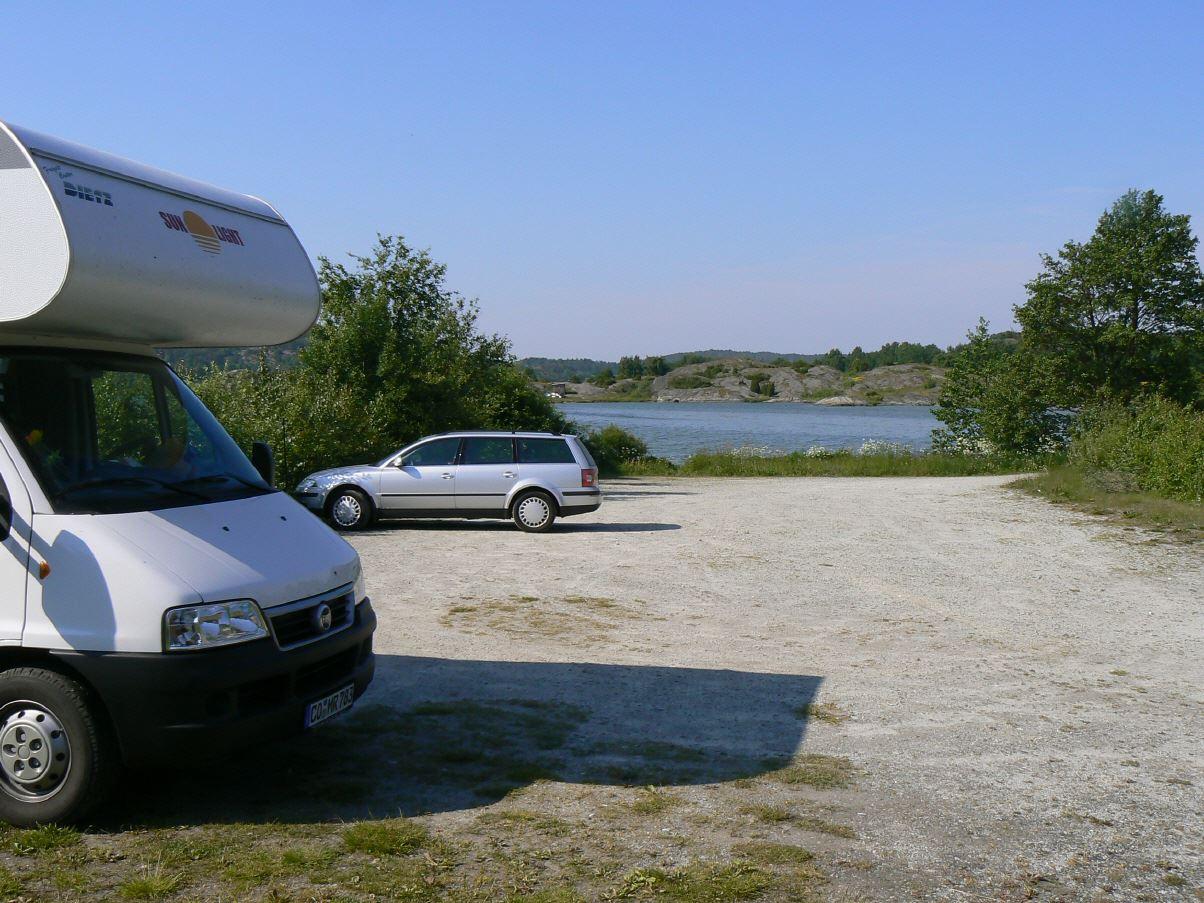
{"x":848,"y":464}
{"x":1157,"y":443}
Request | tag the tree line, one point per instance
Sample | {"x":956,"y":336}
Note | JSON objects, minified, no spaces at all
{"x":1115,"y":322}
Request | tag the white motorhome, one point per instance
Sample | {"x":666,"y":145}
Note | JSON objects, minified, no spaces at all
{"x":158,"y":597}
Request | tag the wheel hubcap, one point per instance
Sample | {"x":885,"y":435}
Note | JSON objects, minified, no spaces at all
{"x":534,"y":511}
{"x":347,"y":511}
{"x":35,"y":754}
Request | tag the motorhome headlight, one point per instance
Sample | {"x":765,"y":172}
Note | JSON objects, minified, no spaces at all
{"x":205,"y":626}
{"x":360,"y":590}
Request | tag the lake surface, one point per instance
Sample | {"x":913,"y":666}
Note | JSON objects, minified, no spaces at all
{"x":675,"y":431}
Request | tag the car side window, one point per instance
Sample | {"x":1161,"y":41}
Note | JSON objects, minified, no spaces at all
{"x":436,"y":453}
{"x":544,"y":451}
{"x":488,"y":450}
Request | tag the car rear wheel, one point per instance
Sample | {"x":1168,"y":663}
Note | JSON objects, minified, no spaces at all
{"x":57,"y":759}
{"x":349,"y":509}
{"x":534,"y":512}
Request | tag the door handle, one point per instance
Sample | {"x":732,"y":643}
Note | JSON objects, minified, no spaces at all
{"x":508,"y":473}
{"x":449,"y":476}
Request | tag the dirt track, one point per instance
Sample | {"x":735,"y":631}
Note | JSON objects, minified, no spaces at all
{"x":1019,"y":687}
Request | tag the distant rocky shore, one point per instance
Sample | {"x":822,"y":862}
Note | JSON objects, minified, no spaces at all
{"x":739,"y":379}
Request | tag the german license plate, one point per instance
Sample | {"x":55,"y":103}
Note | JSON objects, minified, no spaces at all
{"x":329,"y":706}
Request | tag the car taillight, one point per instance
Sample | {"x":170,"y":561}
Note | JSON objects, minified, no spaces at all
{"x":589,"y":477}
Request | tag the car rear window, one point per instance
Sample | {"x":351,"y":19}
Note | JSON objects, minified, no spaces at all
{"x":545,"y":451}
{"x":488,"y":450}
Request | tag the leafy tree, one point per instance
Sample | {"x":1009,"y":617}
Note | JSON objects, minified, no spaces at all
{"x":1123,"y":313}
{"x":630,"y":368}
{"x":394,"y":355}
{"x":993,"y":401}
{"x":656,"y":366}
{"x":605,"y":379}
{"x":857,"y":361}
{"x":834,"y":358}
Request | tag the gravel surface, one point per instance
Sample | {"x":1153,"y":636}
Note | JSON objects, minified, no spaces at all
{"x":1018,"y":686}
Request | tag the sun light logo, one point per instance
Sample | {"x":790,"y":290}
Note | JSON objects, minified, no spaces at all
{"x":208,"y":238}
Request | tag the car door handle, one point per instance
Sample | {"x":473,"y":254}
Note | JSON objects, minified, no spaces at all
{"x":449,"y":476}
{"x":508,"y":473}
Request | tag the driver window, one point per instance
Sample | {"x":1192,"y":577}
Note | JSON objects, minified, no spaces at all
{"x":436,"y":453}
{"x":127,"y":425}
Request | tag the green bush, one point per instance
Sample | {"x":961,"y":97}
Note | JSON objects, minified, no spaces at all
{"x":394,"y":356}
{"x":612,"y":447}
{"x":887,"y":463}
{"x":688,"y":382}
{"x":1159,"y":443}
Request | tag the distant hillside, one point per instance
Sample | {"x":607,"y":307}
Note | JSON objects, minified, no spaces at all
{"x":748,"y":379}
{"x":562,"y":369}
{"x":231,"y":358}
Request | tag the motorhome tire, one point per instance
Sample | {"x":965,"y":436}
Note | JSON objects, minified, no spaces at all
{"x":57,"y":759}
{"x":534,"y":512}
{"x":349,"y":509}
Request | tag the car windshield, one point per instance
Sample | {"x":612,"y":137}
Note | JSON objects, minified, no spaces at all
{"x":107,"y":432}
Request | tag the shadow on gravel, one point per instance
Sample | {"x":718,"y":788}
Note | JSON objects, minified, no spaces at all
{"x":435,"y":735}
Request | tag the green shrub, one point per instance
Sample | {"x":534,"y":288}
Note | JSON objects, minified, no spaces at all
{"x":1158,"y":443}
{"x":887,"y":463}
{"x":612,"y":447}
{"x":689,"y":382}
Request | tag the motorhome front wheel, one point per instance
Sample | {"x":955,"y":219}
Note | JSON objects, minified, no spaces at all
{"x":55,"y":761}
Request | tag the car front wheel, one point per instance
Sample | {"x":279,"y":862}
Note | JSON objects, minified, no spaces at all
{"x":534,"y":512}
{"x":349,"y":509}
{"x":57,"y":760}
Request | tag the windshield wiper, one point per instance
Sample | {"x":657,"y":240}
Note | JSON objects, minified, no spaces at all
{"x":118,"y":481}
{"x":214,"y":477}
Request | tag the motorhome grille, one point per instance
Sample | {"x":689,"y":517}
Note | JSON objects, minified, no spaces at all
{"x":325,"y":674}
{"x":300,"y":625}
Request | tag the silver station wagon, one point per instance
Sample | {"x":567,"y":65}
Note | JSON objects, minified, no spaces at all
{"x":532,"y":478}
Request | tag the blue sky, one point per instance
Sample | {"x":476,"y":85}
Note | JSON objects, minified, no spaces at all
{"x":654,"y":177}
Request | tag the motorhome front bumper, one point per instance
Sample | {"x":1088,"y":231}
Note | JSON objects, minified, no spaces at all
{"x":184,"y":705}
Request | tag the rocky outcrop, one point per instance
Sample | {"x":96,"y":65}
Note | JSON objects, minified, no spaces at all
{"x":740,"y":379}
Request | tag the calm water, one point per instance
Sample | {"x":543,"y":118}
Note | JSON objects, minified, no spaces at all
{"x":675,"y":431}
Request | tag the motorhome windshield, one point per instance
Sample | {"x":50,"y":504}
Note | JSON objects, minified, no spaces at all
{"x":108,"y":433}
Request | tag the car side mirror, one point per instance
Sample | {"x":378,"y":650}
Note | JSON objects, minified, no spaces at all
{"x":264,"y":461}
{"x":6,"y":511}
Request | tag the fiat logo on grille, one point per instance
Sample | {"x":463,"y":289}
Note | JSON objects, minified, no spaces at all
{"x":323,"y":618}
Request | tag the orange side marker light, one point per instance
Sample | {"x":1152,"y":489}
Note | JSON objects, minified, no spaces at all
{"x":44,"y":570}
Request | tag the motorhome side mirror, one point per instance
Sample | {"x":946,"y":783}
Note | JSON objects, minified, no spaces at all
{"x":6,"y":511}
{"x":264,"y":461}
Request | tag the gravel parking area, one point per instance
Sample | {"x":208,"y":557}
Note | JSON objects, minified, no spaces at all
{"x":1010,"y":692}
{"x":717,"y":690}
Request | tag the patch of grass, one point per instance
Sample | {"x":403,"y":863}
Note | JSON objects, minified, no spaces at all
{"x":657,"y":750}
{"x":648,"y":467}
{"x":694,"y":884}
{"x":525,"y":819}
{"x":769,"y":815}
{"x":651,"y":801}
{"x":396,"y":837}
{"x":827,"y":712}
{"x":847,"y":464}
{"x":776,"y":815}
{"x":10,"y":884}
{"x":153,"y":883}
{"x":815,"y":770}
{"x":576,"y":619}
{"x":33,"y":841}
{"x":1102,"y":494}
{"x":817,"y":825}
{"x":774,"y":853}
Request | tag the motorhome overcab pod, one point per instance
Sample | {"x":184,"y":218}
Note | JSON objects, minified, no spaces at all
{"x":157,"y":595}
